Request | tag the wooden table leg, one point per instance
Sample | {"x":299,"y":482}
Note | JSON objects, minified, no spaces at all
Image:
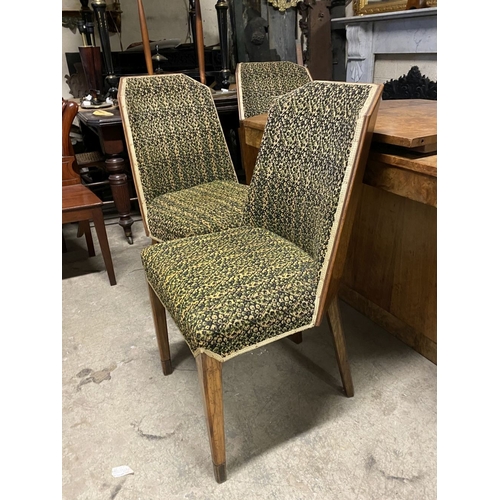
{"x":118,"y":182}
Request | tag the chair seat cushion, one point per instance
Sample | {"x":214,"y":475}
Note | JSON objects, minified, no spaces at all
{"x":232,"y":291}
{"x":201,"y":209}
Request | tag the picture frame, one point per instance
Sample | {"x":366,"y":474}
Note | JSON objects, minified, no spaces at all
{"x":362,"y":7}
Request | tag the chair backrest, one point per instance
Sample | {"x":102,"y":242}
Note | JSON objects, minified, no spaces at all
{"x":69,"y":111}
{"x":259,"y":83}
{"x":173,"y":133}
{"x":69,"y":176}
{"x":309,"y":170}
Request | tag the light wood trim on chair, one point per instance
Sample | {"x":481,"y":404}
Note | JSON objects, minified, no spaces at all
{"x":210,"y":375}
{"x":334,"y":320}
{"x":346,"y":220}
{"x":160,"y":321}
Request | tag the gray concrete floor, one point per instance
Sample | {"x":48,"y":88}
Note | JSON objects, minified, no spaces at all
{"x":290,"y":431}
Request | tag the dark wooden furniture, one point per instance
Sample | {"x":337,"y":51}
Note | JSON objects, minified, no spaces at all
{"x":109,"y":131}
{"x":79,"y":203}
{"x":391,"y":270}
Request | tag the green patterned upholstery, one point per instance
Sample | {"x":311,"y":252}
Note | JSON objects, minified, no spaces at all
{"x":212,"y":206}
{"x":175,"y":143}
{"x":298,"y":178}
{"x":234,"y":289}
{"x":259,"y":83}
{"x":241,"y":288}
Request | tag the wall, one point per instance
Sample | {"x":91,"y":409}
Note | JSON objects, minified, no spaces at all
{"x":167,"y":19}
{"x":389,"y":38}
{"x":393,"y":65}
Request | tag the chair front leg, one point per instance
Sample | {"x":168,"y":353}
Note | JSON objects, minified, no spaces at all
{"x":335,"y":323}
{"x":210,"y":375}
{"x":160,"y":321}
{"x":100,"y":229}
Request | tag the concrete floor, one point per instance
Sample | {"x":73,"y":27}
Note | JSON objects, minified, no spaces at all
{"x":290,"y":431}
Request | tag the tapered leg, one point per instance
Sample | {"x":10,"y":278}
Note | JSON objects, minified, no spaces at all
{"x":210,"y":375}
{"x":160,"y":321}
{"x":100,"y":229}
{"x":84,"y":227}
{"x":340,"y":348}
{"x":296,"y":338}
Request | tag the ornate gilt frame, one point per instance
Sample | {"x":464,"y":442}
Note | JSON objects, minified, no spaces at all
{"x":362,"y":7}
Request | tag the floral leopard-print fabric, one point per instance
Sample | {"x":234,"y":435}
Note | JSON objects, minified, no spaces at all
{"x":235,"y":290}
{"x":212,"y":207}
{"x":261,"y":82}
{"x":310,"y":134}
{"x":176,"y":142}
{"x":230,"y":290}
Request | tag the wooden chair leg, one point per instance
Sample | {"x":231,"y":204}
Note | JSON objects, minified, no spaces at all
{"x":100,"y":229}
{"x":296,"y":338}
{"x":210,"y":375}
{"x":335,"y":323}
{"x":84,"y":228}
{"x":160,"y":321}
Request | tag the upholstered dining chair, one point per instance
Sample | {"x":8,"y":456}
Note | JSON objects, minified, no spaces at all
{"x":183,"y":173}
{"x":257,"y":86}
{"x":239,"y":289}
{"x":259,"y":83}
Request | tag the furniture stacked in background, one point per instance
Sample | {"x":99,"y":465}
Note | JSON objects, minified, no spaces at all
{"x":278,"y":274}
{"x":391,"y":269}
{"x":79,"y":203}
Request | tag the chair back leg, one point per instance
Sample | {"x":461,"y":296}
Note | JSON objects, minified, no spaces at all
{"x":335,"y":323}
{"x":210,"y":375}
{"x":84,"y":228}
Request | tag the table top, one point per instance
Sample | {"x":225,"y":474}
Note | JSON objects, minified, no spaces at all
{"x":90,"y":119}
{"x":409,"y":123}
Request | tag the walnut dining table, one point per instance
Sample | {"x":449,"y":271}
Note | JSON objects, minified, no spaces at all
{"x":391,"y":270}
